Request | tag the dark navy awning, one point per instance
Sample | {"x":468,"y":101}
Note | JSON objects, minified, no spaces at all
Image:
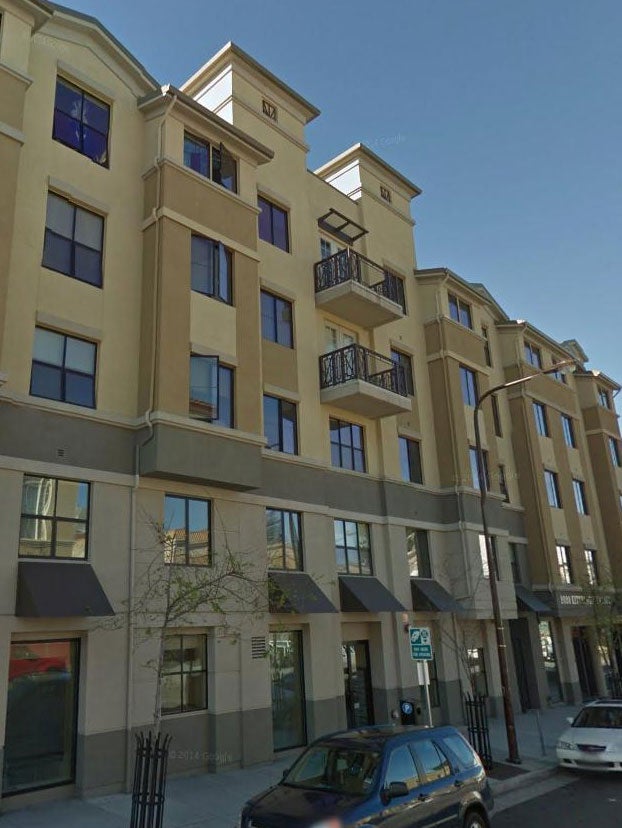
{"x":364,"y":593}
{"x":429,"y":596}
{"x":296,"y":592}
{"x":59,"y":589}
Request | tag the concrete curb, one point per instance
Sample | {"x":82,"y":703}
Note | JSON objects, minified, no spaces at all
{"x":501,"y":787}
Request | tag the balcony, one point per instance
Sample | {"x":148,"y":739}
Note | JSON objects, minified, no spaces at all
{"x":364,"y":382}
{"x":358,"y":290}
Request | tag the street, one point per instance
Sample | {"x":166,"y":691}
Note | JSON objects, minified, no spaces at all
{"x":586,"y":800}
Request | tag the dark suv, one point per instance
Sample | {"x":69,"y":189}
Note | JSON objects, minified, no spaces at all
{"x":397,"y":777}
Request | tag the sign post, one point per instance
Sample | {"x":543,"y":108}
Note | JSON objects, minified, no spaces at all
{"x":421,"y":651}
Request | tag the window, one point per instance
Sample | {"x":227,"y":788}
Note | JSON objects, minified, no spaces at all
{"x":515,"y":563}
{"x":273,"y":224}
{"x":410,"y":460}
{"x":326,"y":249}
{"x":560,"y":376}
{"x":187,"y":523}
{"x":352,"y":549}
{"x":462,"y":750}
{"x":552,"y":489}
{"x":81,"y":122}
{"x":418,"y":553}
{"x":213,"y":162}
{"x":433,"y":763}
{"x":284,"y":538}
{"x":496,"y":416}
{"x":347,"y":449}
{"x":406,"y":363}
{"x":503,"y":488}
{"x":475,"y":468}
{"x":603,"y":398}
{"x":563,"y":564}
{"x":614,"y":451}
{"x":55,"y":518}
{"x":280,"y":424}
{"x":542,"y":425}
{"x":580,"y":497}
{"x":183,"y":684}
{"x":460,"y":311}
{"x":63,"y":368}
{"x":396,"y":291}
{"x":477,"y":670}
{"x":568,"y":430}
{"x":401,"y":768}
{"x":533,"y":355}
{"x":73,"y":241}
{"x":484,"y":557}
{"x":211,"y":269}
{"x":487,"y":355}
{"x":590,"y":564}
{"x":277,"y":319}
{"x":468,"y":381}
{"x":211,"y":390}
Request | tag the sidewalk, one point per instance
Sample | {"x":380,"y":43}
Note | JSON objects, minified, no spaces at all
{"x":214,"y":800}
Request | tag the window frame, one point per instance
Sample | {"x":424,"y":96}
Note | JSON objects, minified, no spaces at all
{"x":405,"y":361}
{"x":357,"y":548}
{"x":275,"y":300}
{"x":568,"y":431}
{"x":413,"y":467}
{"x":187,"y":499}
{"x":298,"y":550}
{"x":182,"y":673}
{"x":54,"y":519}
{"x":226,"y":370}
{"x":580,"y":496}
{"x":400,"y":288}
{"x":355,"y":450}
{"x":553,"y":494}
{"x":84,"y":95}
{"x":460,"y":310}
{"x":272,"y":208}
{"x":564,"y":563}
{"x":503,"y":485}
{"x":280,"y":402}
{"x":487,"y":351}
{"x":469,"y":386}
{"x":72,"y":273}
{"x":604,"y":398}
{"x":614,"y":451}
{"x":475,"y":468}
{"x":217,"y":251}
{"x":484,"y":555}
{"x":533,"y":355}
{"x":64,"y":370}
{"x":515,"y":563}
{"x":541,"y":419}
{"x":212,"y":148}
{"x":591,"y":566}
{"x":418,"y":556}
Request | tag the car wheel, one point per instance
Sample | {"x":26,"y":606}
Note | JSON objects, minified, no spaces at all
{"x":474,"y":819}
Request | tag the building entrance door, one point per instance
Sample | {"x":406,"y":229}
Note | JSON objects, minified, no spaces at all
{"x":585,"y":665}
{"x":357,"y":679}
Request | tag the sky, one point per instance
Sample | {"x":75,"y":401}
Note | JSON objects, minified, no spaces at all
{"x":507,"y":113}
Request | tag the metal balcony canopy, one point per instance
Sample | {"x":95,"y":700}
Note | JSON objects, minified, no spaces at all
{"x":341,"y":226}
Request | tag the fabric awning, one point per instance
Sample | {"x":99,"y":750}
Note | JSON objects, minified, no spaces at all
{"x":429,"y":596}
{"x":529,"y":602}
{"x":59,"y":589}
{"x":364,"y":593}
{"x":296,"y":592}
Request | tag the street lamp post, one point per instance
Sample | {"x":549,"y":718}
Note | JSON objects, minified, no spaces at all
{"x":508,"y":709}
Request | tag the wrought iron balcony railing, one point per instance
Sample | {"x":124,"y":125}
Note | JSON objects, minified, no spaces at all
{"x":357,"y":362}
{"x":346,"y":265}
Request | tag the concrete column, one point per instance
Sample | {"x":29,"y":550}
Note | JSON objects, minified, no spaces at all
{"x":569,"y":675}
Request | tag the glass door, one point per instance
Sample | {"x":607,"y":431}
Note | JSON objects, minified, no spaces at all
{"x":357,"y":680}
{"x":550,"y":662}
{"x":41,"y":715}
{"x":289,"y":726}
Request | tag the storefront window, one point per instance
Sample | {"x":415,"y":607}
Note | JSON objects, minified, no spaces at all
{"x":41,"y":715}
{"x":288,"y":697}
{"x":550,"y":662}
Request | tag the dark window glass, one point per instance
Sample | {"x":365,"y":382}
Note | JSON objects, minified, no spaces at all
{"x":401,"y":768}
{"x":41,"y":714}
{"x":542,"y":425}
{"x":515,"y":563}
{"x":273,"y":224}
{"x":477,"y":670}
{"x":55,"y":518}
{"x":396,"y":288}
{"x":276,"y":319}
{"x":568,"y":429}
{"x":211,"y":390}
{"x":183,"y":683}
{"x":352,"y":549}
{"x":580,"y":497}
{"x":224,"y":169}
{"x":187,"y":524}
{"x":503,"y":488}
{"x":496,"y":416}
{"x":196,"y":155}
{"x":63,"y":368}
{"x":564,"y":564}
{"x":614,"y":451}
{"x":284,"y":537}
{"x":213,"y":162}
{"x":410,"y":460}
{"x":468,"y":382}
{"x":475,"y":468}
{"x":211,"y":269}
{"x":460,"y":311}
{"x":81,"y":122}
{"x":289,"y":727}
{"x":73,"y":241}
{"x":592,"y":569}
{"x":487,"y":356}
{"x":432,"y":761}
{"x":552,"y":489}
{"x":405,"y":361}
{"x":418,"y":553}
{"x":603,"y":398}
{"x":533,"y":355}
{"x":280,"y":424}
{"x":346,"y":445}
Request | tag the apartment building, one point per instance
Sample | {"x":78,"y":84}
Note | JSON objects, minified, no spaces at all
{"x":202,"y":337}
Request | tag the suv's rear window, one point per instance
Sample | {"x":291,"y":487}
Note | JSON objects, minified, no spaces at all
{"x":461,"y":749}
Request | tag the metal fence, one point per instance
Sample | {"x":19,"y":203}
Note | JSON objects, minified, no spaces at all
{"x":149,"y":785}
{"x":357,"y":362}
{"x":347,"y":265}
{"x":477,"y":725}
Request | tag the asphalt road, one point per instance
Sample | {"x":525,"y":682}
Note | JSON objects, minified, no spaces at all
{"x":590,"y":801}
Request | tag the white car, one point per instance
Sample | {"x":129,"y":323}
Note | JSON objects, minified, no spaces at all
{"x":594,"y":739}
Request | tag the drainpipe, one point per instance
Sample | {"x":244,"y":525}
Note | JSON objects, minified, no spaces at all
{"x":137,"y":449}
